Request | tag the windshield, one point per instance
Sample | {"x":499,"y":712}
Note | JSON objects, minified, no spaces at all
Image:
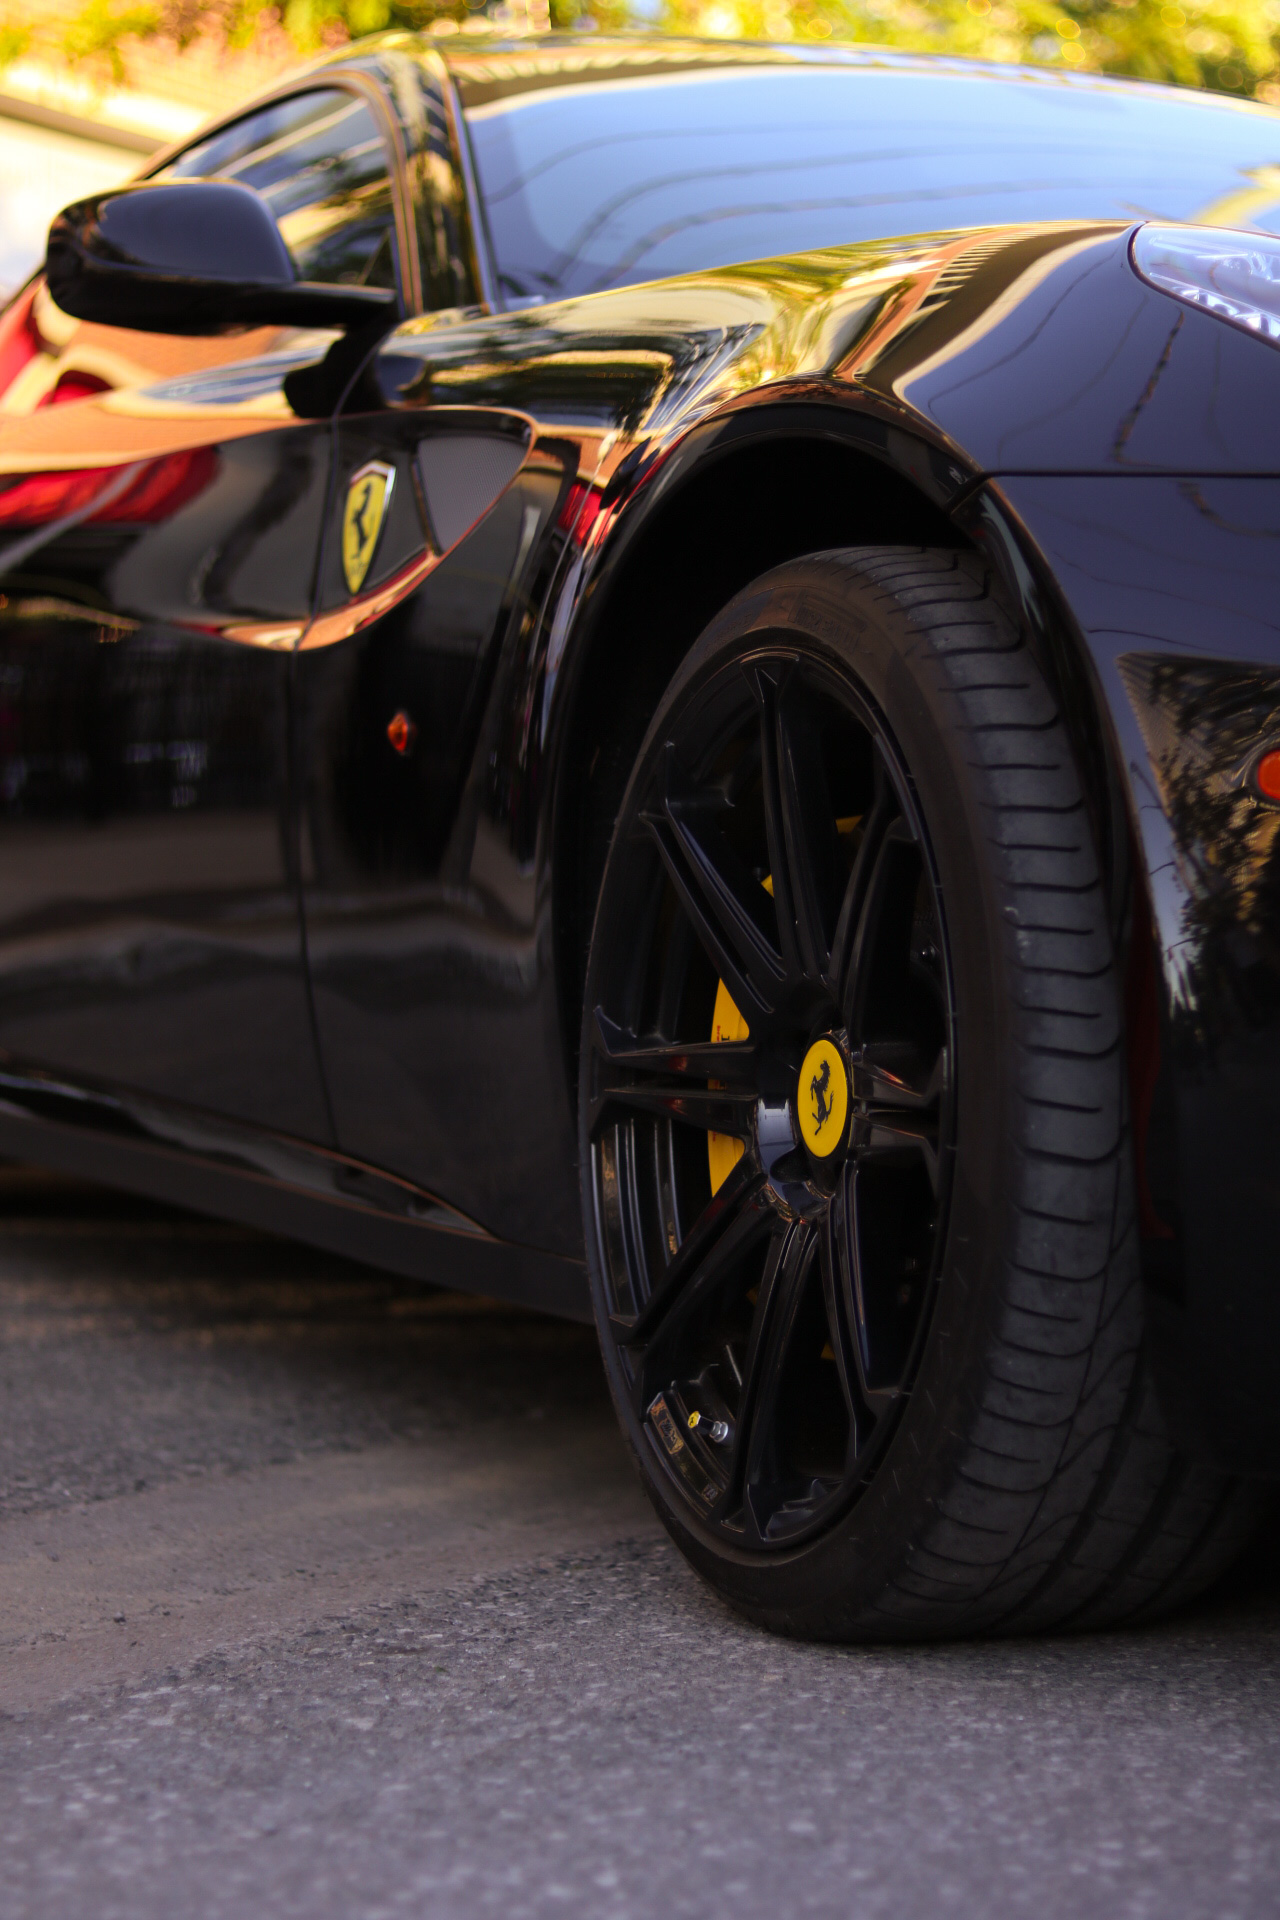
{"x":604,"y":181}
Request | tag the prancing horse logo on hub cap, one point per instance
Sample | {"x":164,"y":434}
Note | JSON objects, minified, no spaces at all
{"x":823,"y":1102}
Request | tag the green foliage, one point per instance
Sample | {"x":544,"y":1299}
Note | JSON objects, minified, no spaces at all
{"x":99,"y":29}
{"x":314,"y":24}
{"x":1230,"y":45}
{"x":609,"y":16}
{"x":14,"y":41}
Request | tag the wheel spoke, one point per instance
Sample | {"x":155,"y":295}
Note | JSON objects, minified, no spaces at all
{"x":704,"y":1107}
{"x":896,"y":840}
{"x":800,"y":827}
{"x":837,"y":1302}
{"x":786,"y":1273}
{"x":659,"y":1079}
{"x":881,"y":815}
{"x":724,"y":902}
{"x":898,"y":1119}
{"x":856,"y":1285}
{"x":727,"y":1226}
{"x":884,"y":1081}
{"x":731,"y":1062}
{"x":890,"y":1140}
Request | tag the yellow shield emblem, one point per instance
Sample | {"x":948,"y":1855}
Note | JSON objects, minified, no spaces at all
{"x":368,"y":497}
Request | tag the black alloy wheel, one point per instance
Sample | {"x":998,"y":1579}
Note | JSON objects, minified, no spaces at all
{"x":856,"y":1179}
{"x":774,"y":1202}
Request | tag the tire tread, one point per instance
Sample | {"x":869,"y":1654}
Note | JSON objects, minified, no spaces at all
{"x":1079,"y":1514}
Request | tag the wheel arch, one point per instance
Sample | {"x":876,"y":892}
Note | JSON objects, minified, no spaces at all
{"x":738,"y":503}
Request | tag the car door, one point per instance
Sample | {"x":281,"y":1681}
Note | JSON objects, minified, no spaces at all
{"x":158,"y":547}
{"x":424,"y":929}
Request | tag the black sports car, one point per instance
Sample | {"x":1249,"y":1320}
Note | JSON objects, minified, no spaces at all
{"x":646,"y":676}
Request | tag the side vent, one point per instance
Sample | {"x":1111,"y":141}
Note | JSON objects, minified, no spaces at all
{"x":462,"y":474}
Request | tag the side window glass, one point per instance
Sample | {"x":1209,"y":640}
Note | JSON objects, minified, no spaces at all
{"x":319,"y":162}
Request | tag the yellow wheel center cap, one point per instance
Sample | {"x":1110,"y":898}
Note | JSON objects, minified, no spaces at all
{"x":823,"y":1099}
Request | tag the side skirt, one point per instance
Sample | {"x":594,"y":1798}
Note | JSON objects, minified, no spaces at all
{"x":275,"y":1184}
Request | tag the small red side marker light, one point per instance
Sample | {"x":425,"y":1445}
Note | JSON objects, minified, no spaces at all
{"x":402,"y":733}
{"x":1267,"y":775}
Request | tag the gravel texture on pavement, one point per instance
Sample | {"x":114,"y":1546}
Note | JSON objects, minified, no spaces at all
{"x":325,"y":1596}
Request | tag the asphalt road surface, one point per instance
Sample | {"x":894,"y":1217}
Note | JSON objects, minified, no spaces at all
{"x":325,"y":1596}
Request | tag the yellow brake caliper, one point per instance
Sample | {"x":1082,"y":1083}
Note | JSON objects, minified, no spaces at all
{"x":724,"y":1150}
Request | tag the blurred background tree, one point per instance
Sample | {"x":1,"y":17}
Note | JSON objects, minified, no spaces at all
{"x":1231,"y":46}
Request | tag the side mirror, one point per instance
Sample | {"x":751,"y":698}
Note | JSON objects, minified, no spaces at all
{"x":192,"y":257}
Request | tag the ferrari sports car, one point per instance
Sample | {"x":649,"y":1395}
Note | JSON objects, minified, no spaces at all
{"x":645,"y":676}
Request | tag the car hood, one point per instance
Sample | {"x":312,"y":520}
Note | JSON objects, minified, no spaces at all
{"x":1014,"y":349}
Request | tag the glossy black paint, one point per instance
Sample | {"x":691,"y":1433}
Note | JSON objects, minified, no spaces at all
{"x":1173,"y":585}
{"x":423,"y":921}
{"x":376,"y":953}
{"x":1053,"y":357}
{"x":190,"y":257}
{"x":149,"y":930}
{"x":271,"y":1182}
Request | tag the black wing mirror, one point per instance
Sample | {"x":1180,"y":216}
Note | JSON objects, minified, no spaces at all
{"x":193,"y":257}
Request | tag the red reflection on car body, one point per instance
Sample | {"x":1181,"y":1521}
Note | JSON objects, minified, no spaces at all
{"x":75,"y":385}
{"x":19,"y":337}
{"x":156,"y":492}
{"x":401,"y":732}
{"x":1268,"y":775}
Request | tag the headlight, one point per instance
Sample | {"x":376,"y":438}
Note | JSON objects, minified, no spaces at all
{"x":1235,"y":275}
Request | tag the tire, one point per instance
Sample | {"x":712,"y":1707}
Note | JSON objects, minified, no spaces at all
{"x":881,"y":1364}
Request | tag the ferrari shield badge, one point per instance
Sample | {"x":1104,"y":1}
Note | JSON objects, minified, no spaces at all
{"x":368,"y":497}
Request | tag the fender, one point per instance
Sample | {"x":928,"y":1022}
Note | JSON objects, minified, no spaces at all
{"x":1171,"y":586}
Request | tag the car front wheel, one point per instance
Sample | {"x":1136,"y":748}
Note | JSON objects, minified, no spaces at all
{"x":856,"y":1171}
